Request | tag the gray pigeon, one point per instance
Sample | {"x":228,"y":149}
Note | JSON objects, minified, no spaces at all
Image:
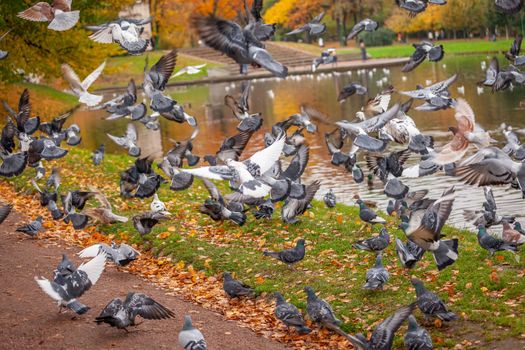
{"x":4,"y":54}
{"x":145,"y":222}
{"x":314,"y":27}
{"x":33,"y":228}
{"x":493,"y":244}
{"x":294,"y":207}
{"x":67,"y":287}
{"x":122,"y":314}
{"x":290,"y":315}
{"x":509,"y":6}
{"x":423,"y":50}
{"x":289,"y":256}
{"x":377,"y":276}
{"x":366,"y":24}
{"x":330,"y":199}
{"x":417,"y":338}
{"x":235,"y":288}
{"x":409,"y":254}
{"x":98,"y":154}
{"x":374,"y":244}
{"x":121,"y":254}
{"x":190,"y":338}
{"x":54,"y":179}
{"x":79,"y":220}
{"x":4,"y":212}
{"x":368,"y":215}
{"x":351,"y":89}
{"x":123,"y":31}
{"x":430,"y":304}
{"x":56,"y":213}
{"x":436,"y":96}
{"x":321,"y":312}
{"x":128,"y":141}
{"x":241,"y":110}
{"x":383,"y":335}
{"x":125,"y":105}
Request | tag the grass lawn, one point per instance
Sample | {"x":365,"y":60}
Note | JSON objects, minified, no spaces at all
{"x":452,"y":47}
{"x":486,"y":292}
{"x":120,"y":69}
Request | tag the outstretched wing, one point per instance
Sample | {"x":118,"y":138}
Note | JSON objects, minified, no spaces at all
{"x":267,"y":157}
{"x":94,"y":267}
{"x":90,"y":79}
{"x":146,"y":307}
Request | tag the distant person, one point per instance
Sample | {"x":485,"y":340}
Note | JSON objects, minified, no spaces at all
{"x":430,"y":36}
{"x":436,"y":35}
{"x":493,"y":36}
{"x":399,"y":37}
{"x":320,"y":42}
{"x":363,"y":49}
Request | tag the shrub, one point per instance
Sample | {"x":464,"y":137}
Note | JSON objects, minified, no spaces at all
{"x":381,"y":37}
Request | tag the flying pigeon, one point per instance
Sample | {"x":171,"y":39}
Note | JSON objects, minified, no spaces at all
{"x":218,"y":209}
{"x":488,"y":216}
{"x":103,"y":213}
{"x":289,"y":256}
{"x":290,"y":315}
{"x":513,"y":54}
{"x":366,"y":24}
{"x":493,"y":244}
{"x":32,"y":228}
{"x":423,"y":50}
{"x":125,"y":32}
{"x":351,"y":89}
{"x":125,"y":105}
{"x":190,"y":338}
{"x":417,"y":338}
{"x":25,"y":125}
{"x":375,"y":244}
{"x":436,"y":96}
{"x":66,"y":288}
{"x":56,"y":213}
{"x":241,"y":45}
{"x":145,"y":222}
{"x":409,"y":253}
{"x":121,"y":254}
{"x":383,"y":166}
{"x":128,"y":141}
{"x":314,"y":27}
{"x":190,"y":70}
{"x":235,"y":288}
{"x":140,"y":180}
{"x":330,"y":199}
{"x":377,"y":276}
{"x":59,"y":14}
{"x":383,"y":335}
{"x":4,"y":54}
{"x":328,"y":56}
{"x":509,"y":6}
{"x":122,"y":314}
{"x":80,"y":88}
{"x":294,"y":207}
{"x":430,"y":304}
{"x":241,"y":110}
{"x":98,"y":154}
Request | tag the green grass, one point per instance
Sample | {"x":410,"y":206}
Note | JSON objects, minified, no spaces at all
{"x":452,"y":47}
{"x":120,"y":69}
{"x":332,"y":266}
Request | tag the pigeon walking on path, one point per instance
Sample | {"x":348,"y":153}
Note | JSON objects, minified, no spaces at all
{"x":33,"y":228}
{"x":190,"y":338}
{"x":122,"y":314}
{"x":290,"y":315}
{"x":289,"y":256}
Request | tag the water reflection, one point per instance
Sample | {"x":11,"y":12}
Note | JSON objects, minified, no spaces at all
{"x":277,"y":99}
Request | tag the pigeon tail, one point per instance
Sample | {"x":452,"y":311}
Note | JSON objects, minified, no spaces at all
{"x":447,"y":316}
{"x":238,"y":218}
{"x":362,"y":245}
{"x":78,"y":307}
{"x":372,"y":284}
{"x":272,"y":254}
{"x":446,"y":254}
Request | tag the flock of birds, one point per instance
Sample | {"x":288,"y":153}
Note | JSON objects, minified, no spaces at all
{"x":260,"y":181}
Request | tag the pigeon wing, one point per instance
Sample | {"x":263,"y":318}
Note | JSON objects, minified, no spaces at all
{"x":146,"y":307}
{"x":161,"y":71}
{"x":40,"y":12}
{"x":383,"y":335}
{"x":267,"y":157}
{"x":94,"y":267}
{"x":90,"y":79}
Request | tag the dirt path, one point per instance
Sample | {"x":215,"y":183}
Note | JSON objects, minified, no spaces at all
{"x":29,"y":318}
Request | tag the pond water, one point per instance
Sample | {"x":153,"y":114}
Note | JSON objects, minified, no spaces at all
{"x":277,"y":99}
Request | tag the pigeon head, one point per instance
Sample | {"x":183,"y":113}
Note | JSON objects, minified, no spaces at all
{"x":482,"y":230}
{"x":278,"y":296}
{"x":187,"y":326}
{"x":310,"y":292}
{"x":420,"y":288}
{"x":301,"y":243}
{"x":517,"y":226}
{"x":412,"y":323}
{"x":227,"y":276}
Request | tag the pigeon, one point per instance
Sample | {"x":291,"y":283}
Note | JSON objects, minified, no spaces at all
{"x":122,"y":314}
{"x":125,"y":105}
{"x":190,"y":70}
{"x":103,"y":213}
{"x":329,"y":199}
{"x":256,"y":25}
{"x":511,"y":235}
{"x":54,"y":179}
{"x":121,"y":254}
{"x":351,"y":89}
{"x":321,"y":312}
{"x":377,"y":276}
{"x":327,"y":57}
{"x":241,"y":110}
{"x":55,"y":128}
{"x":513,"y":54}
{"x":289,"y":256}
{"x":513,"y":147}
{"x":56,"y":213}
{"x":125,"y":32}
{"x":493,"y":244}
{"x":368,"y":215}
{"x":383,"y":334}
{"x":5,"y":210}
{"x":4,"y":54}
{"x":290,"y":315}
{"x":181,"y":150}
{"x":242,"y":45}
{"x":33,"y":228}
{"x":430,"y":304}
{"x":502,"y":79}
{"x":145,"y":222}
{"x":218,"y":209}
{"x":45,"y":196}
{"x":80,"y":88}
{"x":157,"y":205}
{"x":375,"y":244}
{"x":128,"y":141}
{"x":293,"y":207}
{"x":383,"y":166}
{"x":140,"y":180}
{"x":357,"y":174}
{"x":25,"y":125}
{"x":231,"y":148}
{"x":58,"y":14}
{"x":417,"y":338}
{"x":13,"y":164}
{"x":366,"y":24}
{"x":77,"y":198}
{"x":98,"y":154}
{"x":79,"y":220}
{"x":190,"y":338}
{"x":488,"y":216}
{"x":235,"y":288}
{"x":264,"y":210}
{"x":314,"y":27}
{"x":423,"y":50}
{"x":509,"y":6}
{"x":424,"y":229}
{"x":409,"y":253}
{"x":66,"y":288}
{"x":436,"y":96}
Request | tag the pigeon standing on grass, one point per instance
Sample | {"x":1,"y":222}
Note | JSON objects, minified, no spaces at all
{"x":235,"y":288}
{"x":290,"y":315}
{"x":330,"y":199}
{"x":190,"y":338}
{"x":122,"y":314}
{"x":368,"y":215}
{"x":33,"y":228}
{"x":374,"y":244}
{"x":98,"y":154}
{"x":430,"y":304}
{"x":68,"y":287}
{"x":321,"y":312}
{"x":493,"y":244}
{"x":377,"y":276}
{"x":80,"y":88}
{"x":58,"y":14}
{"x":417,"y":338}
{"x":289,"y":256}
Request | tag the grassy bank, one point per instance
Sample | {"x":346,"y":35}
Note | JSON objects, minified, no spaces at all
{"x":486,"y":293}
{"x":452,"y":47}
